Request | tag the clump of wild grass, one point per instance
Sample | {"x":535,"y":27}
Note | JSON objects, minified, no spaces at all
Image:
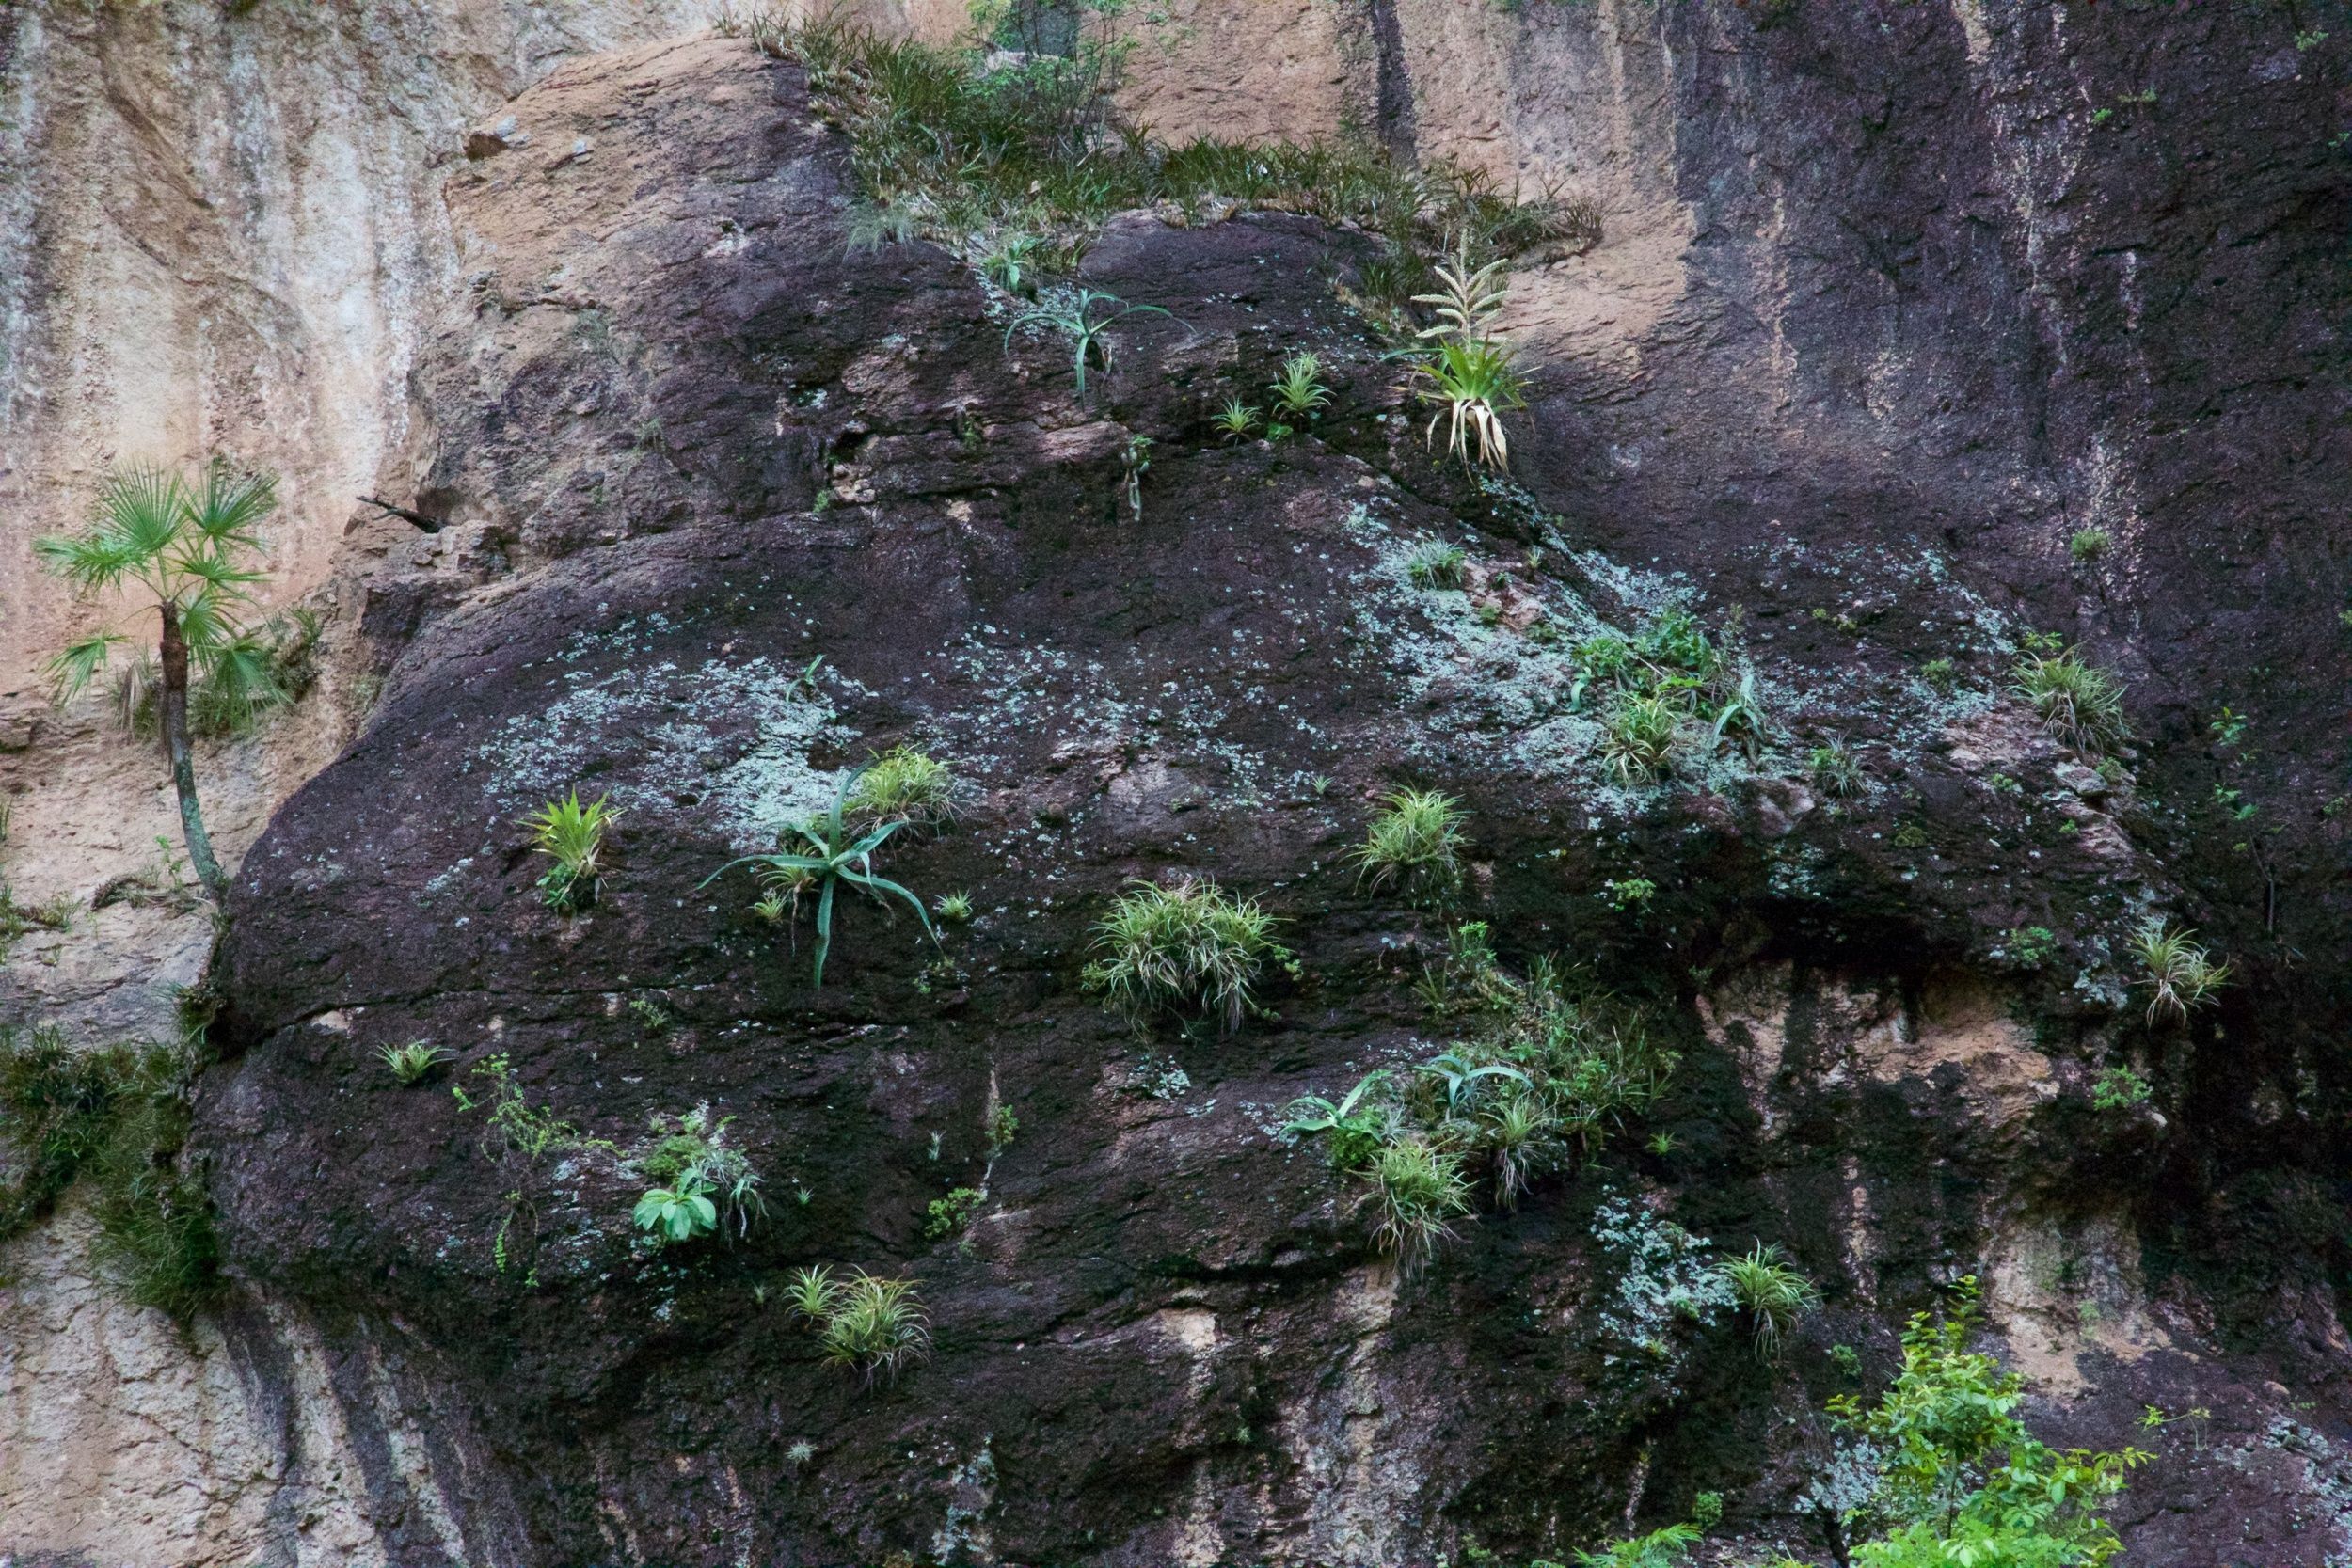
{"x":1437,"y":565}
{"x":409,"y":1063}
{"x":1011,"y":153}
{"x":868,"y":1322}
{"x":117,"y":1117}
{"x":1188,"y":948}
{"x":1418,"y":1189}
{"x":1770,"y":1291}
{"x":1547,"y":1073}
{"x":2079,"y":703}
{"x":571,"y":835}
{"x":904,"y":785}
{"x":2180,"y":974}
{"x":1414,"y":843}
{"x":1835,"y":769}
{"x":1637,"y":737}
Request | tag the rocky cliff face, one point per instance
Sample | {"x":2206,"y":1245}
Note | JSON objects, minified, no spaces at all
{"x":1891,"y":305}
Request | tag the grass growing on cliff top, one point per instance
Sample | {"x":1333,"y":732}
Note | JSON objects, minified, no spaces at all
{"x":118,"y":1115}
{"x":1005,"y":147}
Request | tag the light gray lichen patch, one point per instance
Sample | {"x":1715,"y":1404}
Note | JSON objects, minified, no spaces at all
{"x":723,"y":742}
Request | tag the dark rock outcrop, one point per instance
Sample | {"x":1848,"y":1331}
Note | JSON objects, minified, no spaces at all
{"x":692,"y":445}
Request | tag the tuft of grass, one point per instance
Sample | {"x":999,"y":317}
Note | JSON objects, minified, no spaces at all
{"x":571,"y":835}
{"x":867,"y":1323}
{"x":1638,"y":735}
{"x":1770,"y":1291}
{"x":1437,"y":565}
{"x":1418,"y":1189}
{"x":409,"y":1063}
{"x":2088,"y":545}
{"x":1835,"y":769}
{"x":1300,"y":392}
{"x":2180,"y":974}
{"x":1189,"y":948}
{"x":1414,"y":843}
{"x":904,"y":785}
{"x":2079,"y":703}
{"x":954,"y":908}
{"x":1237,"y":421}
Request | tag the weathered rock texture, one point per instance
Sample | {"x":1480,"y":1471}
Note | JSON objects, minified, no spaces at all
{"x":1893,"y":300}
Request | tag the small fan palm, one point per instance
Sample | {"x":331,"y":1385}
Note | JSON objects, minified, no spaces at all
{"x":832,"y":854}
{"x":180,"y":547}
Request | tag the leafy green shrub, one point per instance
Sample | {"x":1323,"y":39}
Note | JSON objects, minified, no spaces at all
{"x":1959,"y":1479}
{"x":1414,"y":843}
{"x":830,"y":857}
{"x":904,"y":786}
{"x":2180,"y":974}
{"x":1003,"y":1127}
{"x":950,"y":1215}
{"x":1356,"y":1129}
{"x":703,"y":1183}
{"x":871,"y":1323}
{"x":1628,"y":892}
{"x":516,"y":1125}
{"x":1437,"y":565}
{"x":1940,"y":674}
{"x":1771,"y":1293}
{"x":2118,"y":1088}
{"x":2080,"y":704}
{"x":572,"y":836}
{"x":2089,"y":544}
{"x":678,"y":1213}
{"x":411,"y":1062}
{"x":1190,"y":948}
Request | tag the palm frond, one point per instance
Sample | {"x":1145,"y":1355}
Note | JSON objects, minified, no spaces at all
{"x":140,"y":509}
{"x":98,"y":559}
{"x":228,"y":504}
{"x":78,"y":665}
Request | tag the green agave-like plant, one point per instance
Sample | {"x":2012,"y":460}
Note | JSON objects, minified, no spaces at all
{"x":830,"y":854}
{"x":1080,"y":320}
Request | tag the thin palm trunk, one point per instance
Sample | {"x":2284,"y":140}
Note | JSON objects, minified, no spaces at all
{"x":175,"y":705}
